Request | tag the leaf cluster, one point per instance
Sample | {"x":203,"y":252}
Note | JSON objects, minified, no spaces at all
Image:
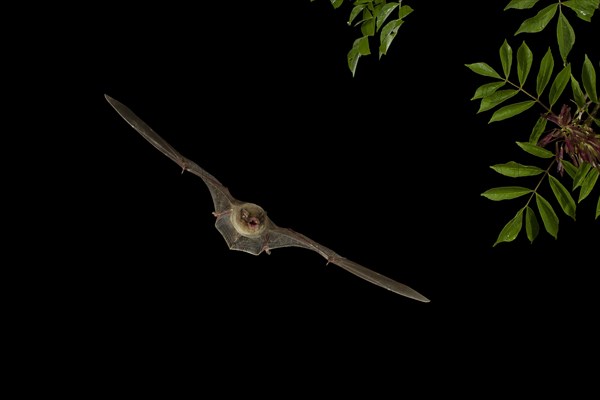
{"x":584,"y":178}
{"x":573,"y":134}
{"x":372,"y":17}
{"x":538,"y":83}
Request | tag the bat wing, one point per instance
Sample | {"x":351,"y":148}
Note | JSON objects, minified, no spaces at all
{"x":222,"y":199}
{"x":274,"y":237}
{"x":283,"y":237}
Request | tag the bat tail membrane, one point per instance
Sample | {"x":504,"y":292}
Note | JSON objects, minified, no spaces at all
{"x":234,"y":240}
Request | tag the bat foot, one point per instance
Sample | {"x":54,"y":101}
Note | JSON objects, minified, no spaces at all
{"x":265,"y":247}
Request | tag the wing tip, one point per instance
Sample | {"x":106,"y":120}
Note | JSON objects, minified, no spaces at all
{"x":114,"y":103}
{"x":416,"y":296}
{"x":424,"y":299}
{"x":411,"y":293}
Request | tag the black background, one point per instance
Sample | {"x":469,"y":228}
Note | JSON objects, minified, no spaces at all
{"x":386,"y":168}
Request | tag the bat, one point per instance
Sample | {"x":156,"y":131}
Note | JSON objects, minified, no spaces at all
{"x":246,"y":226}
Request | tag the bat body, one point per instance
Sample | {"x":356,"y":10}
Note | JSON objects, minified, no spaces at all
{"x":246,"y":226}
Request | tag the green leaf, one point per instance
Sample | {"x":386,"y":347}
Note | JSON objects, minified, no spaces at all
{"x":496,"y":98}
{"x":578,"y":95}
{"x":545,"y":72}
{"x":565,"y":36}
{"x":539,"y":21}
{"x":363,"y":20}
{"x":487,"y":89}
{"x":583,"y":8}
{"x":506,"y":58}
{"x":563,"y":196}
{"x":520,"y":4}
{"x":353,"y":56}
{"x":484,"y":69}
{"x":588,"y":76}
{"x":505,"y":193}
{"x":559,"y":84}
{"x":535,"y":150}
{"x":598,"y":208}
{"x":384,"y":13}
{"x":516,"y":170}
{"x":511,"y":110}
{"x":367,"y":27}
{"x":548,"y":215}
{"x":524,"y":60}
{"x":531,"y":224}
{"x":588,"y":184}
{"x":538,"y":129}
{"x":570,"y":168}
{"x":404,"y":11}
{"x":580,"y":175}
{"x":336,"y":3}
{"x":511,"y":229}
{"x":355,"y":12}
{"x":362,"y":44}
{"x":388,"y":33}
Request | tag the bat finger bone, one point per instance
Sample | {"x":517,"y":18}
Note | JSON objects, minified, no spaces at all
{"x":221,"y":213}
{"x":331,"y":260}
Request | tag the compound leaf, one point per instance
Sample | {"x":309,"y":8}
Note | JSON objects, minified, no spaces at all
{"x":588,"y":184}
{"x":563,"y":196}
{"x":538,"y":22}
{"x":524,"y":60}
{"x":511,"y":110}
{"x":545,"y":72}
{"x":532,"y":227}
{"x":511,"y":229}
{"x":516,"y":170}
{"x":505,"y":192}
{"x":559,"y":84}
{"x":535,"y":150}
{"x":548,"y":215}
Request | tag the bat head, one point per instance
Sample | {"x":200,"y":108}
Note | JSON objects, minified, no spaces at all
{"x":249,"y":220}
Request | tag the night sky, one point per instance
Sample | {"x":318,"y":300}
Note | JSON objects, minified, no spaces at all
{"x":386,"y":168}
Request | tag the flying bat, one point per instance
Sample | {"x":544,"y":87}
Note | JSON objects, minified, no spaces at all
{"x":246,"y":226}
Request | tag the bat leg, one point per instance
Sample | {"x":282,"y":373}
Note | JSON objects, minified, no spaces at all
{"x":265,"y":246}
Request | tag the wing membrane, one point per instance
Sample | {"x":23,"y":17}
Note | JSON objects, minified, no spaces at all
{"x":283,"y":237}
{"x":222,"y":199}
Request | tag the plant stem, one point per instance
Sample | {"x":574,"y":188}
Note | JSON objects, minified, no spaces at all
{"x":592,"y":115}
{"x":537,"y":100}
